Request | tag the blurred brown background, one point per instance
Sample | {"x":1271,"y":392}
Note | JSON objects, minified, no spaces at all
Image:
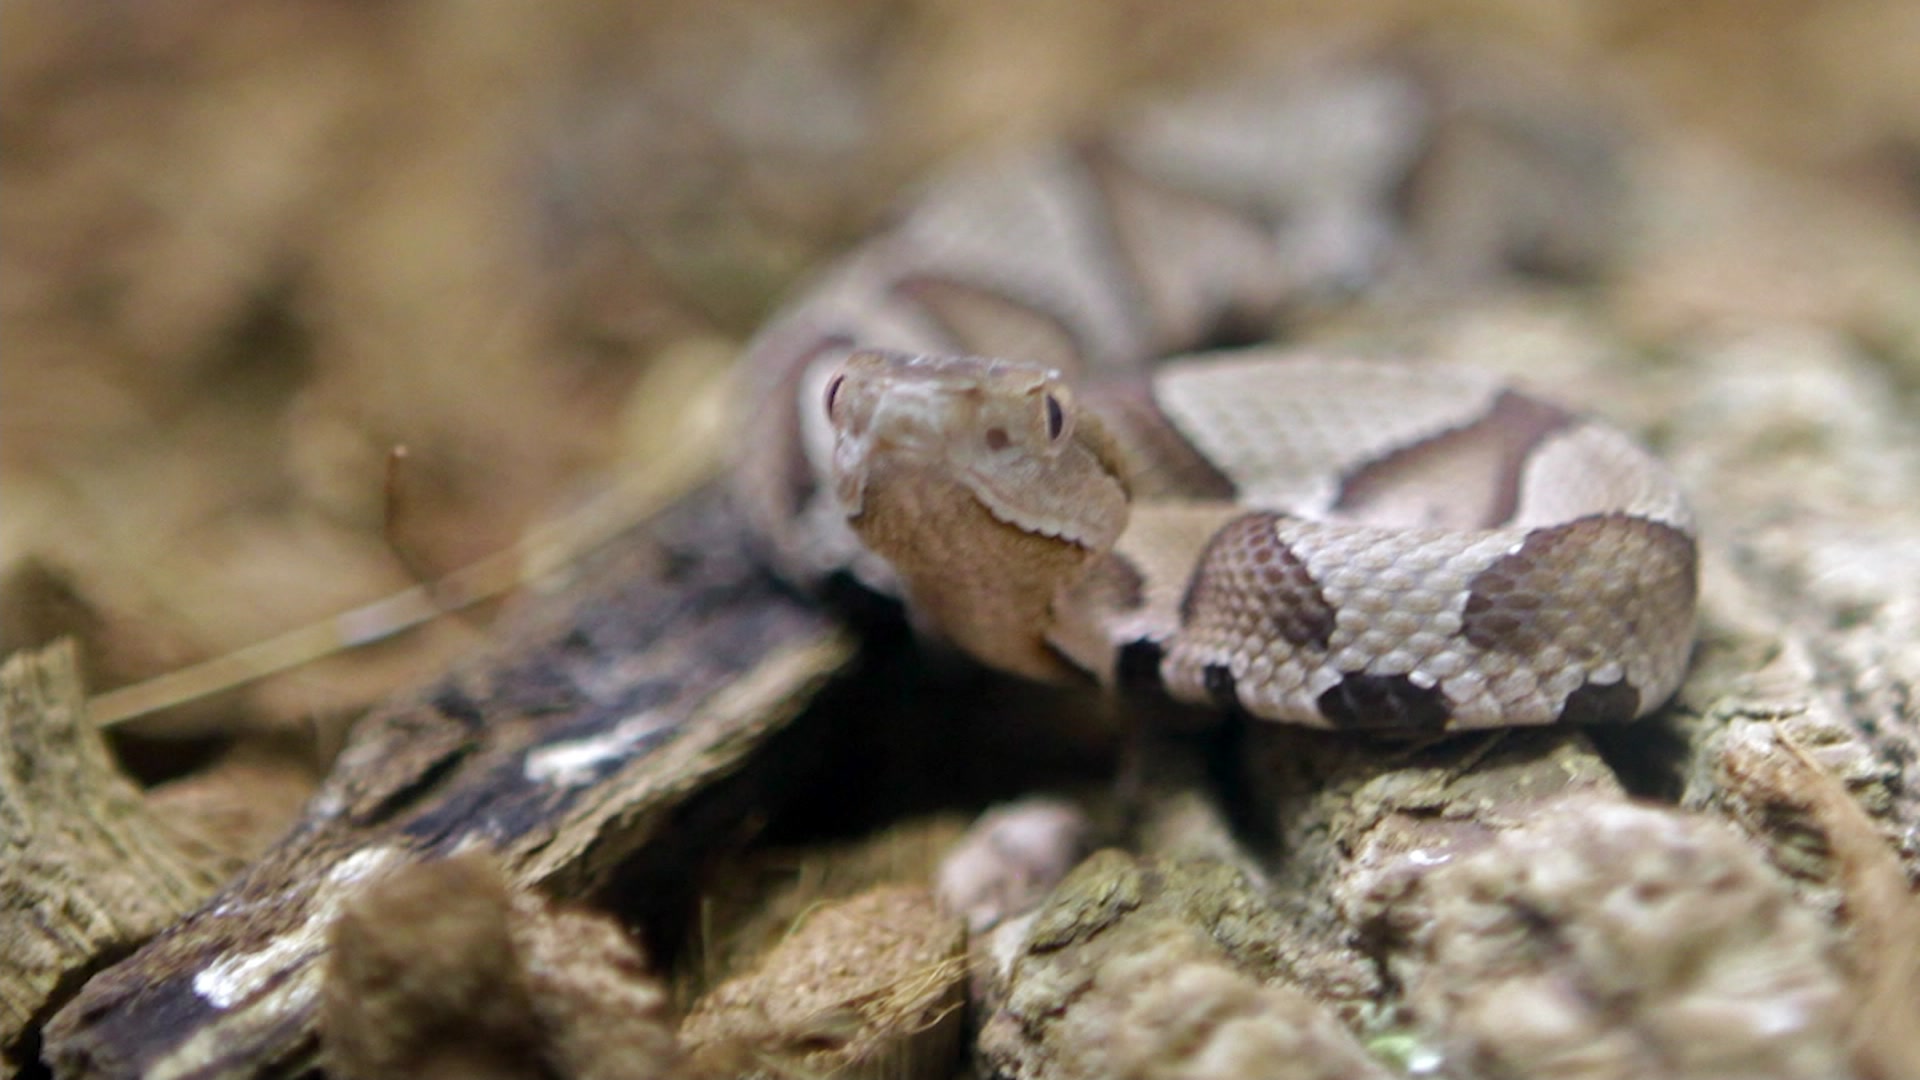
{"x":250,"y":248}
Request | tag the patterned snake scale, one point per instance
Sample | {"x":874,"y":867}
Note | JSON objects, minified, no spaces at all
{"x":1310,"y":537}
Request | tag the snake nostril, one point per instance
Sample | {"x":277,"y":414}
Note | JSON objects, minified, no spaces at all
{"x":997,"y":439}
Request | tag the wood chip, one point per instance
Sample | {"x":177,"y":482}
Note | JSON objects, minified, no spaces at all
{"x":88,"y":870}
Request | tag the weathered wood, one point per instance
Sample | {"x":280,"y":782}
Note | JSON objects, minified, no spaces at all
{"x":638,"y":718}
{"x":1154,"y":967}
{"x":867,"y":988}
{"x":443,"y":970}
{"x":87,"y":871}
{"x":1604,"y":938}
{"x":1334,"y":834}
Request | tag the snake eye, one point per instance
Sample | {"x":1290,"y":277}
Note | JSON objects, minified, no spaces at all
{"x":1056,"y":418}
{"x":833,"y":391}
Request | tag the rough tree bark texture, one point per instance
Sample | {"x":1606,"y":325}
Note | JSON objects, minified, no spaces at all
{"x":633,"y":724}
{"x":87,"y":871}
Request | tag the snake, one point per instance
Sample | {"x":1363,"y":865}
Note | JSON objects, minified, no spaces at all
{"x":1035,"y":410}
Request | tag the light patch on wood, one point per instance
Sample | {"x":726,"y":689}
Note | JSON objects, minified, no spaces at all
{"x":238,"y":976}
{"x":571,"y":764}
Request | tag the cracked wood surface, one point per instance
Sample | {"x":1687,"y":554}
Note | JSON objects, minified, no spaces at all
{"x":637,"y":720}
{"x":87,"y":869}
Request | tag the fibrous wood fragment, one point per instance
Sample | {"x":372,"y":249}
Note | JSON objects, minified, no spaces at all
{"x":869,"y":987}
{"x":633,"y":723}
{"x":442,"y":969}
{"x":1606,"y":939}
{"x":1158,"y":968}
{"x":87,"y":870}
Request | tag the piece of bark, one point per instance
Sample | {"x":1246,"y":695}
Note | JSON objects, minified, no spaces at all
{"x":1345,"y":828}
{"x":1172,"y":1012}
{"x":87,"y":869}
{"x":870,"y":987}
{"x":1796,"y":444}
{"x":1604,"y":939}
{"x":1331,"y":833}
{"x":636,"y":722}
{"x":1800,"y":448}
{"x":1454,"y":799}
{"x":1158,"y":968}
{"x":1782,"y":790}
{"x":422,"y":979}
{"x":751,"y":902}
{"x":1335,"y":837}
{"x":443,"y":970}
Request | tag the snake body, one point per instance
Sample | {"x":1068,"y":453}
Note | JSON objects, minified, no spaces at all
{"x":993,"y":411}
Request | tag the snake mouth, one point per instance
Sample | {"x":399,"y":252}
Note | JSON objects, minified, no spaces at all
{"x":1008,"y":508}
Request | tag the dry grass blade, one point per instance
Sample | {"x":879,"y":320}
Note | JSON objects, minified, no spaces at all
{"x":683,"y":397}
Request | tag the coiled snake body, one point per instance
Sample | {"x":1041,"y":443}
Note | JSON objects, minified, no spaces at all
{"x":968,"y":413}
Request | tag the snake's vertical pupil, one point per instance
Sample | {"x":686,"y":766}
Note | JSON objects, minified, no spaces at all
{"x":1056,"y":418}
{"x":833,"y":391}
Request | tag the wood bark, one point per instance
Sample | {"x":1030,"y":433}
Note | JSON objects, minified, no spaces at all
{"x":639,"y":720}
{"x":87,"y":871}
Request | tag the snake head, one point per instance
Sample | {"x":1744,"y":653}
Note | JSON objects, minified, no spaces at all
{"x":983,"y":484}
{"x":1010,"y":434}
